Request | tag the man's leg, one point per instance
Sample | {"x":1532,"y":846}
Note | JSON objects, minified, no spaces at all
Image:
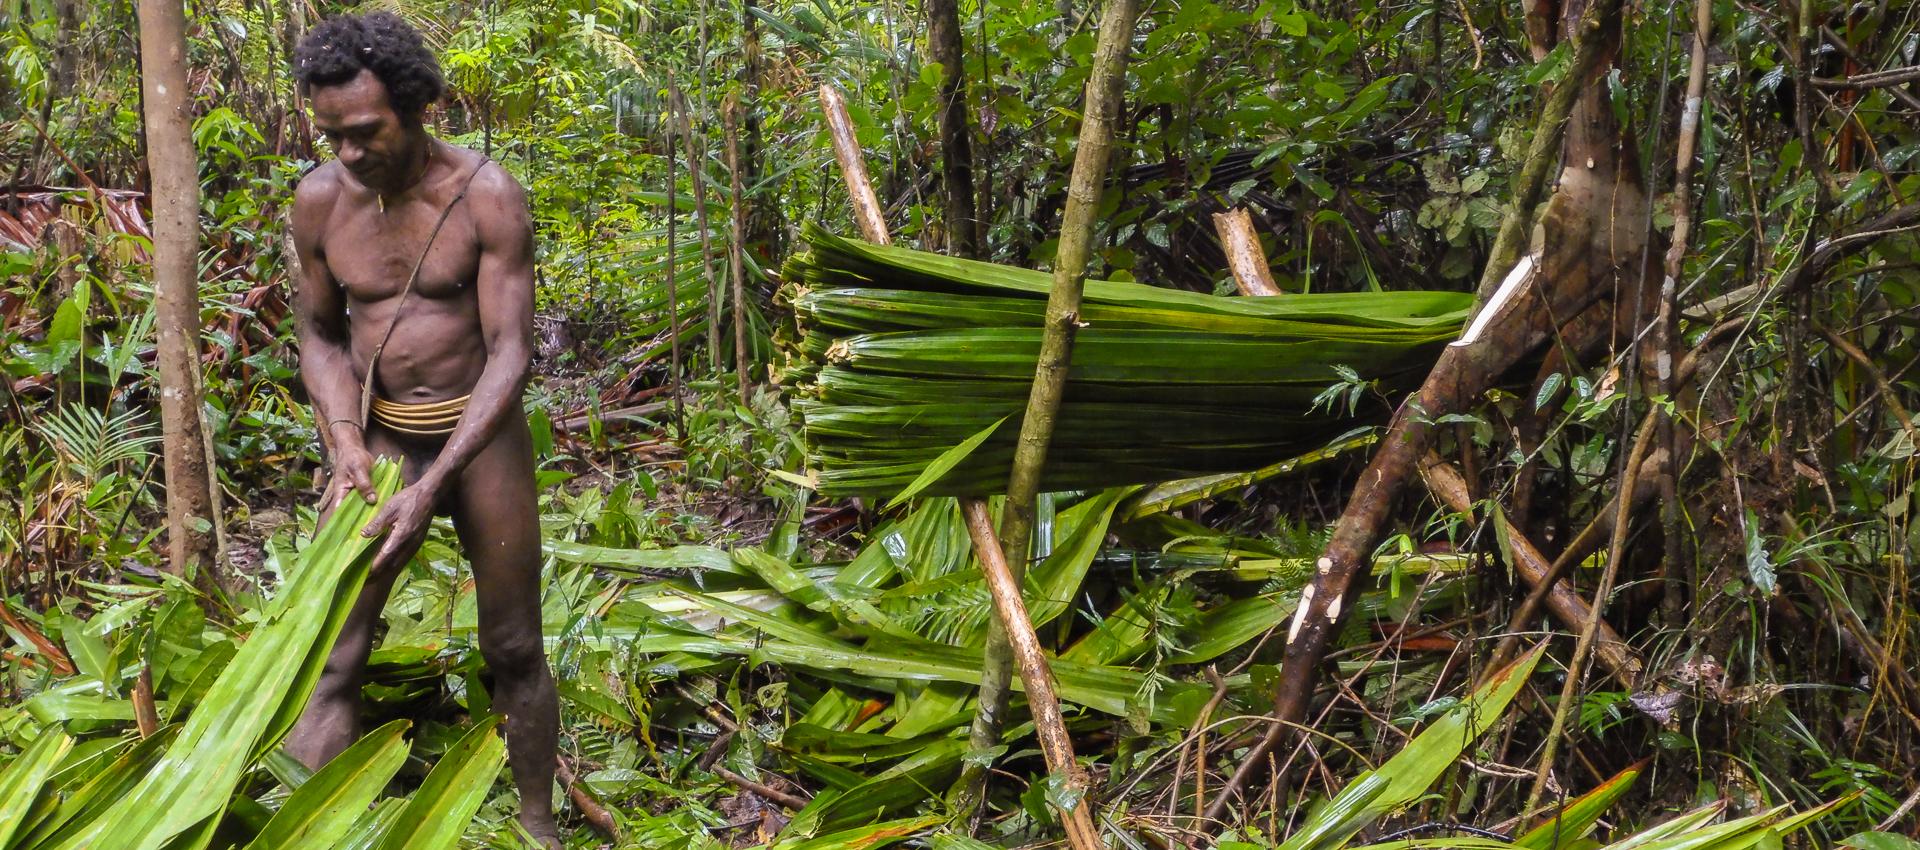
{"x":331,"y":721}
{"x":497,"y":515}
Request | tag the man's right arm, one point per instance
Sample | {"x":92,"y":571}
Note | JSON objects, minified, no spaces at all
{"x":326,"y":358}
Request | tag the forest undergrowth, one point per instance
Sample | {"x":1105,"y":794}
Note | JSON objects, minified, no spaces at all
{"x":1705,"y":464}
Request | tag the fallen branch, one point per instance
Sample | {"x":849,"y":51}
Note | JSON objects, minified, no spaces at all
{"x":776,"y":795}
{"x":595,"y":814}
{"x":1242,"y":246}
{"x":1871,"y":80}
{"x":1447,"y":483}
{"x":1583,"y":229}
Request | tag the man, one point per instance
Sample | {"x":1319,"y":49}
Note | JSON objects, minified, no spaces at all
{"x":415,"y":309}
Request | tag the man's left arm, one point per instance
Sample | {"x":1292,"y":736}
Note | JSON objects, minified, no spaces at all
{"x":504,"y":287}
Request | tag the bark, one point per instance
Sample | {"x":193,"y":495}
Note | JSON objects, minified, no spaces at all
{"x":1244,"y":254}
{"x":956,"y":148}
{"x":1048,"y":724}
{"x":736,"y":251}
{"x":1594,"y":242}
{"x":673,"y":245}
{"x":697,"y":176}
{"x":191,"y":515}
{"x":1595,"y":47}
{"x":1103,"y":102}
{"x":853,"y":168}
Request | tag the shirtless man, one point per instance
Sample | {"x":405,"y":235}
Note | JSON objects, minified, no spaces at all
{"x":450,"y":354}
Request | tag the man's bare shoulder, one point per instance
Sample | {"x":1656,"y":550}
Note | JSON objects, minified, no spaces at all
{"x":314,"y":198}
{"x":320,"y":187}
{"x":494,"y":186}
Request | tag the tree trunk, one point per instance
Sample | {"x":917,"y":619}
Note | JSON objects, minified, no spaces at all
{"x":956,"y":147}
{"x":697,"y":176}
{"x":736,"y":250}
{"x":191,"y":516}
{"x":1595,"y":245}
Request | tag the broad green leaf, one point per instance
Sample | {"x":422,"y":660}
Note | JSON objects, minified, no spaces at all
{"x":1407,"y":776}
{"x":320,"y":812}
{"x":257,"y":695}
{"x":1879,"y":841}
{"x":100,"y":791}
{"x":1574,"y":820}
{"x":439,"y":812}
{"x":945,"y":463}
{"x":23,"y":778}
{"x":372,"y":824}
{"x":864,"y":837}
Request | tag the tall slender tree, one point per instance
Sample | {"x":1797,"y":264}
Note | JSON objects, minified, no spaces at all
{"x":956,"y":148}
{"x":193,"y":547}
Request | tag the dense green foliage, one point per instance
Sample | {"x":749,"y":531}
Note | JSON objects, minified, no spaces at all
{"x":717,"y":626}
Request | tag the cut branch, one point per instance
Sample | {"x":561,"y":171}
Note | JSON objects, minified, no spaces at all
{"x":1244,"y":255}
{"x":1587,"y":227}
{"x":1873,"y":80}
{"x":1035,"y":676}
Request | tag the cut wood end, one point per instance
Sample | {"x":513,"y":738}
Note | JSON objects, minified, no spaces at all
{"x":1502,"y":297}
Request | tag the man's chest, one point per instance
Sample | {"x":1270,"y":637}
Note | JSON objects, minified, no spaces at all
{"x":372,"y":253}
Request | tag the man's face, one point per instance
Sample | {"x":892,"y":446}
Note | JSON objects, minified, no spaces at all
{"x":368,"y":136}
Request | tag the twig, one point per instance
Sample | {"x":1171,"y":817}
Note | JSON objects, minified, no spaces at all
{"x":1569,"y":690}
{"x":783,"y":798}
{"x":595,"y":814}
{"x":1200,"y":744}
{"x":1871,"y":80}
{"x":1874,"y":374}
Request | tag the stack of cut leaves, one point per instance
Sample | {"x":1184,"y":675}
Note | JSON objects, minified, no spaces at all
{"x":898,"y":356}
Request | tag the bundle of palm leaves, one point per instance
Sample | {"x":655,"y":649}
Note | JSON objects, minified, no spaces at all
{"x":897,"y":356}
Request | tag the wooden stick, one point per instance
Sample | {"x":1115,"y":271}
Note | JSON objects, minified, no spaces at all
{"x":697,"y":175}
{"x":1447,"y":483}
{"x":1104,"y":101}
{"x":1042,"y":699}
{"x":790,"y":801}
{"x":1666,"y":327}
{"x":1244,"y":254}
{"x":146,"y":718}
{"x":1037,"y":678}
{"x":590,"y":809}
{"x":853,"y":168}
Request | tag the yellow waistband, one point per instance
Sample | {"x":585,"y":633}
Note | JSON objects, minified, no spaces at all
{"x":430,"y":419}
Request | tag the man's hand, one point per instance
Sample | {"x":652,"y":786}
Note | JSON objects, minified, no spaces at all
{"x":352,"y":472}
{"x":404,"y":521}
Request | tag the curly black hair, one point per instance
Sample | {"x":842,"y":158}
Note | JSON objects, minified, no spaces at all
{"x":335,"y":51}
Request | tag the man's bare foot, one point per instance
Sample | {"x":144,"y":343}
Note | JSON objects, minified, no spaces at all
{"x":544,"y":832}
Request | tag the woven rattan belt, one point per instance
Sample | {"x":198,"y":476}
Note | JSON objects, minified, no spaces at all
{"x":428,"y":419}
